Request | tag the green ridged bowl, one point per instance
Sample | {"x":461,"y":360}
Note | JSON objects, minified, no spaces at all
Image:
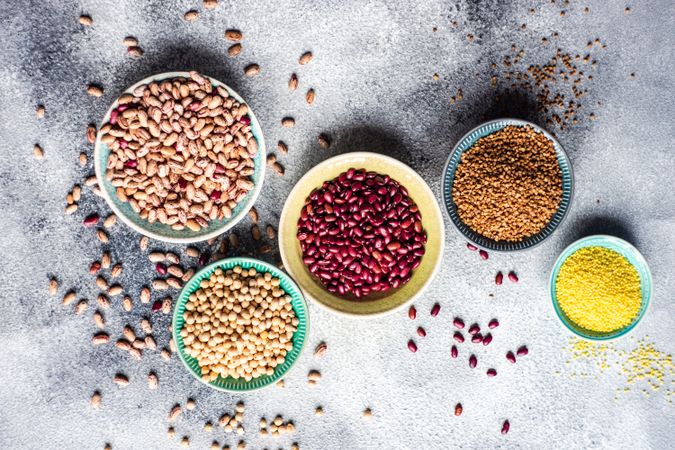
{"x":299,"y":338}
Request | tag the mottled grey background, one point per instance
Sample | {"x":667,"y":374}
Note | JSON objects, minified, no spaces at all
{"x":372,"y":73}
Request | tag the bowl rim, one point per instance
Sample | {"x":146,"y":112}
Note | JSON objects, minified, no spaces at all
{"x":100,"y":172}
{"x":236,"y":260}
{"x":592,"y":242}
{"x":294,"y":192}
{"x":515,"y":122}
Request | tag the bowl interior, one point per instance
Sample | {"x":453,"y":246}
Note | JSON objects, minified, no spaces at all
{"x":432,"y":222}
{"x":449,"y":177}
{"x":162,"y":231}
{"x":299,"y":338}
{"x":632,"y":255}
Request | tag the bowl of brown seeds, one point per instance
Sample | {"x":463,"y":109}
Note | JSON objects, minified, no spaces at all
{"x":507,"y":185}
{"x":180,"y":157}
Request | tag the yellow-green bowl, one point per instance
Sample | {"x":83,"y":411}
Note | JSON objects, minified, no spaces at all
{"x":374,"y":304}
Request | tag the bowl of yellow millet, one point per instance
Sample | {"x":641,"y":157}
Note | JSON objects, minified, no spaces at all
{"x":600,"y":287}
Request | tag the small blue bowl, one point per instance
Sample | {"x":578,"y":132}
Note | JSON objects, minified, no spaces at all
{"x":162,"y":231}
{"x":448,"y":179}
{"x":632,"y":255}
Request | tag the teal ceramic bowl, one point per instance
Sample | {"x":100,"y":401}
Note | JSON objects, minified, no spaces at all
{"x":448,"y":179}
{"x":161,"y":231}
{"x":299,"y":338}
{"x":632,"y":255}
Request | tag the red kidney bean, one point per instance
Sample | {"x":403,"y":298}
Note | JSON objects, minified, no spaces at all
{"x":506,"y":426}
{"x":203,"y":258}
{"x":513,"y":277}
{"x":494,"y":323}
{"x":491,"y":373}
{"x":412,"y":346}
{"x":421,"y":332}
{"x":473,"y":329}
{"x":471,"y":247}
{"x":487,"y":339}
{"x":435,"y":310}
{"x":453,"y":352}
{"x":522,"y":351}
{"x":363,"y":218}
{"x":458,"y":337}
{"x":161,"y":269}
{"x":483,"y":254}
{"x":477,"y":338}
{"x":412,"y":312}
{"x":499,"y":278}
{"x":473,"y":361}
{"x":510,"y":357}
{"x":91,"y":220}
{"x":458,"y":323}
{"x":156,"y":306}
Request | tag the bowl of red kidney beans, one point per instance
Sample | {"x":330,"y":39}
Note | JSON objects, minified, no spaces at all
{"x":362,"y":234}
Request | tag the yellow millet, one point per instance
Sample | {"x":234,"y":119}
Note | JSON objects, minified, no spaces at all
{"x":598,"y":289}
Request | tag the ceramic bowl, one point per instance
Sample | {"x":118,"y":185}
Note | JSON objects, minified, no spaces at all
{"x":299,"y":338}
{"x":374,"y":304}
{"x":632,"y":255}
{"x":448,"y":179}
{"x":161,"y":231}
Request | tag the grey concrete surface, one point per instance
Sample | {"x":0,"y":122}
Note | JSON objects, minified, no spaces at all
{"x":372,"y":73}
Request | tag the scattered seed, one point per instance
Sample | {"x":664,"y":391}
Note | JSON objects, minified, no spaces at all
{"x":165,"y":354}
{"x":324,"y":141}
{"x":100,"y":338}
{"x":174,"y":413}
{"x":95,"y":401}
{"x":114,"y":290}
{"x":185,"y":441}
{"x":473,"y":329}
{"x":278,"y":168}
{"x":191,"y":15}
{"x":487,"y":339}
{"x":40,"y":111}
{"x":103,"y":301}
{"x":320,"y":350}
{"x":314,"y":375}
{"x":453,"y":352}
{"x":166,"y":305}
{"x":282,"y":148}
{"x":367,"y":414}
{"x":293,"y":82}
{"x":271,"y":233}
{"x":190,"y":404}
{"x":68,"y":298}
{"x":435,"y":310}
{"x":135,"y":51}
{"x":91,"y":133}
{"x":130,"y":41}
{"x":473,"y":361}
{"x":309,"y":97}
{"x":171,"y":432}
{"x":305,"y":58}
{"x":145,"y":294}
{"x":477,"y":338}
{"x":53,"y":286}
{"x":458,"y":323}
{"x":255,"y":233}
{"x":484,"y":255}
{"x":210,"y":4}
{"x":459,"y":337}
{"x":458,"y":409}
{"x":143,"y":243}
{"x":522,"y":351}
{"x":70,"y":209}
{"x":153,"y":381}
{"x":38,"y":152}
{"x":252,"y":70}
{"x":491,"y":373}
{"x":506,"y":426}
{"x":421,"y":332}
{"x":412,"y":312}
{"x":471,"y":247}
{"x":110,"y":221}
{"x":288,"y":122}
{"x":102,"y":235}
{"x":81,"y":307}
{"x":510,"y":357}
{"x":513,"y":277}
{"x":234,"y":50}
{"x":494,"y":323}
{"x":121,"y":379}
{"x":499,"y":278}
{"x":86,"y":20}
{"x":318,"y":411}
{"x":412,"y":346}
{"x":233,"y":35}
{"x":94,"y":90}
{"x":271,"y":159}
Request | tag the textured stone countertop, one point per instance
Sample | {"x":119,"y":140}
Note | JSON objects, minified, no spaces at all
{"x":373,"y":72}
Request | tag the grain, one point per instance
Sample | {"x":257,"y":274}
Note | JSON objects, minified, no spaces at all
{"x":86,"y":20}
{"x":38,"y":152}
{"x":252,"y":70}
{"x":288,"y":122}
{"x":153,"y":381}
{"x":174,"y":413}
{"x":305,"y":58}
{"x":121,"y":379}
{"x":210,"y":4}
{"x":99,"y":321}
{"x":94,"y":90}
{"x":271,"y":233}
{"x":53,"y":286}
{"x":324,"y":141}
{"x":103,"y":301}
{"x":282,"y":148}
{"x":81,"y":307}
{"x":367,"y":414}
{"x":234,"y":50}
{"x":100,"y":338}
{"x":233,"y":35}
{"x":40,"y":111}
{"x":293,"y":82}
{"x":310,"y":96}
{"x":135,"y":51}
{"x":278,"y":168}
{"x":95,"y":401}
{"x":68,"y":298}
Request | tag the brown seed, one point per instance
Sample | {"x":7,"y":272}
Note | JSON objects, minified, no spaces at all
{"x":320,"y":350}
{"x":91,"y":133}
{"x":103,"y":301}
{"x":174,"y":413}
{"x":282,"y":148}
{"x":121,"y":379}
{"x":130,"y":41}
{"x":271,"y":159}
{"x":314,"y":375}
{"x":145,"y":294}
{"x":86,"y":20}
{"x":135,"y":51}
{"x":40,"y":111}
{"x":70,"y":209}
{"x":114,"y":290}
{"x":144,"y":242}
{"x":81,"y":307}
{"x":255,"y":232}
{"x":288,"y":122}
{"x":102,"y":236}
{"x":171,"y":432}
{"x":166,"y":308}
{"x":68,"y":298}
{"x":165,"y":354}
{"x":367,"y":414}
{"x":234,"y":50}
{"x":253,"y":214}
{"x":135,"y":353}
{"x":191,"y":15}
{"x":233,"y":35}
{"x":153,"y":381}
{"x":271,"y":233}
{"x":100,"y":338}
{"x":190,"y":404}
{"x":123,"y":344}
{"x":324,"y":141}
{"x":53,"y":286}
{"x":252,"y":70}
{"x":99,"y":320}
{"x":116,"y":270}
{"x":305,"y":58}
{"x":105,"y":260}
{"x":95,"y":401}
{"x":94,"y":90}
{"x":309,"y":97}
{"x":293,"y":82}
{"x":278,"y":168}
{"x":38,"y":152}
{"x":458,"y":409}
{"x":210,"y":4}
{"x":110,"y":220}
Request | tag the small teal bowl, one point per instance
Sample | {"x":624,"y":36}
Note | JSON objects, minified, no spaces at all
{"x":448,"y":179}
{"x":161,"y":231}
{"x":299,"y":338}
{"x":632,"y":255}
